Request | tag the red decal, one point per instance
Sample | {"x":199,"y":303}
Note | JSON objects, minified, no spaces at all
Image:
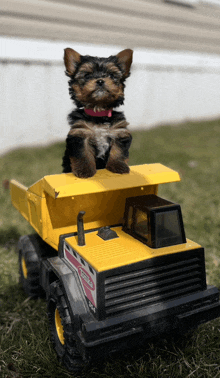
{"x":72,"y":259}
{"x":89,"y":295}
{"x":86,"y":278}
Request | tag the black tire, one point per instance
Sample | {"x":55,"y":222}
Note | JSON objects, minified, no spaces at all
{"x":62,"y":329}
{"x":29,"y":265}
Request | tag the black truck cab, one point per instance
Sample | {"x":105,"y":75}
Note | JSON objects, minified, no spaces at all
{"x":154,"y":221}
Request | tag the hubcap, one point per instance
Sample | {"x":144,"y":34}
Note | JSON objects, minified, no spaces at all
{"x":24,"y":268}
{"x":59,"y":327}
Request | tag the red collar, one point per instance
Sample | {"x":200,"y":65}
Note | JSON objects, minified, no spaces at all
{"x":104,"y":113}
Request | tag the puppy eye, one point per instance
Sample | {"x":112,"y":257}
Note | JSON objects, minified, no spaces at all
{"x":86,"y":75}
{"x":112,"y":76}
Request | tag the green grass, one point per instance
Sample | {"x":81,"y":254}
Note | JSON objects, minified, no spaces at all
{"x":25,"y":350}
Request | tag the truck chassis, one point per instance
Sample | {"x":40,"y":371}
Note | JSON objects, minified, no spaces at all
{"x":116,"y":276}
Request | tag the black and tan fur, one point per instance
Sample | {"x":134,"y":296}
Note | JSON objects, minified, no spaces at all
{"x":96,"y":142}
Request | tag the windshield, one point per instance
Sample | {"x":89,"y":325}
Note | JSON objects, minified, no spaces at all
{"x":167,"y":228}
{"x":141,"y":224}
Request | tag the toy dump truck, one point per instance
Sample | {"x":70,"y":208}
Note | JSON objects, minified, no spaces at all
{"x":113,"y":260}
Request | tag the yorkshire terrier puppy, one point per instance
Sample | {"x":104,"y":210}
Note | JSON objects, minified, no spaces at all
{"x":98,"y":137}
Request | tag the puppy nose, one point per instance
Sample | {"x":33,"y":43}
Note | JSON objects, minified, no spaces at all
{"x":100,"y":82}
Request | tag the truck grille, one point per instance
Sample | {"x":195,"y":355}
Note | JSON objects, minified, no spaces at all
{"x":163,"y":279}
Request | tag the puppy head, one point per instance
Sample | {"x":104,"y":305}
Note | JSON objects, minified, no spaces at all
{"x":97,"y":83}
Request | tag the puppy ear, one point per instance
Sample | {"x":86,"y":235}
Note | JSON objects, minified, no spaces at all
{"x":125,"y":58}
{"x":71,"y":59}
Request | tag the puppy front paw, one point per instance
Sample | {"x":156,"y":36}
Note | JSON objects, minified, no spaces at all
{"x":84,"y":172}
{"x":82,"y":169}
{"x":118,"y":167}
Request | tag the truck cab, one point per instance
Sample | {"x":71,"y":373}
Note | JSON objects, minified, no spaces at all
{"x":154,"y":221}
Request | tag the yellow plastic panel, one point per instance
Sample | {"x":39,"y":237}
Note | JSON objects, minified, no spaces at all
{"x":31,"y":206}
{"x":37,"y":188}
{"x":66,"y":185}
{"x":102,"y":209}
{"x":19,"y":198}
{"x":35,"y":212}
{"x":52,"y":204}
{"x":124,"y":250}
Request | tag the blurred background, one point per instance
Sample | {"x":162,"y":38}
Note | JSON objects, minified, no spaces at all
{"x":175,"y":75}
{"x":174,"y":84}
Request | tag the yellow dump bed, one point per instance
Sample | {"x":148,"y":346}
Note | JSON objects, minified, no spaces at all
{"x":52,"y":204}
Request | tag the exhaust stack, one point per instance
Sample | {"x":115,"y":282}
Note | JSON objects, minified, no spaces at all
{"x":80,"y":228}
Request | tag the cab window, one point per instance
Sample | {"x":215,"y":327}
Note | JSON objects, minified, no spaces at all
{"x":130,"y":217}
{"x":168,"y":229}
{"x":141,"y":224}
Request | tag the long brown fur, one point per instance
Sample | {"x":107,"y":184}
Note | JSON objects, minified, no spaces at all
{"x":97,"y":142}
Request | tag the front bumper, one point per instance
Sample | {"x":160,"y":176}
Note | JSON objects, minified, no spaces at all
{"x":99,"y":338}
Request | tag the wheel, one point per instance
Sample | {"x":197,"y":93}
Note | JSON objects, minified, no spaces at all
{"x":62,"y":329}
{"x":29,"y":265}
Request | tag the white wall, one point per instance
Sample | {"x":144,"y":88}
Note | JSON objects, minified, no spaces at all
{"x":34,"y":104}
{"x":173,"y":87}
{"x":164,"y":87}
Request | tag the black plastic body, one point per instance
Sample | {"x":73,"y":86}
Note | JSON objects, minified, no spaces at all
{"x":153,"y":206}
{"x":165,"y":309}
{"x":97,"y":338}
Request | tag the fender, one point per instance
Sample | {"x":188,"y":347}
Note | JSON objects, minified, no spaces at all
{"x":72,"y":289}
